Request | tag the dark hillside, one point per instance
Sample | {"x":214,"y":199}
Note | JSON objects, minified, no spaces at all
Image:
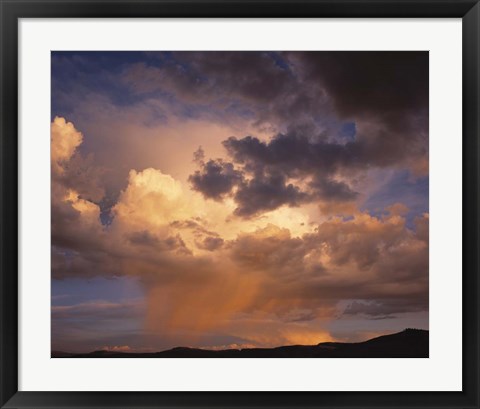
{"x":410,"y":343}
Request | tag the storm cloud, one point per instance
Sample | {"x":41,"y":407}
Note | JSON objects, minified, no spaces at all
{"x":306,"y":205}
{"x":216,"y":179}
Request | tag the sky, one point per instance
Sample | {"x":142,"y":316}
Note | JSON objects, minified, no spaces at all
{"x":237,"y":199}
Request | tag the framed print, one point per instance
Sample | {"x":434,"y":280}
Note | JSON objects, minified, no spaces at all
{"x":216,"y":204}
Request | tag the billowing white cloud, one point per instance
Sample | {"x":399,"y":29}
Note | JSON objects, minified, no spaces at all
{"x":64,"y":139}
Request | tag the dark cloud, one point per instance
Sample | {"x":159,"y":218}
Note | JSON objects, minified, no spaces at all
{"x":263,"y":192}
{"x":330,"y":167}
{"x":216,"y":179}
{"x":294,"y":87}
{"x":230,"y":83}
{"x":332,"y":190}
{"x":199,"y":156}
{"x":269,"y":165}
{"x":297,"y":154}
{"x":65,"y":227}
{"x":266,"y":192}
{"x":210,"y":243}
{"x":294,"y":153}
{"x":384,"y":309}
{"x":81,"y":173}
{"x":270,"y":173}
{"x":261,"y":85}
{"x":255,"y":76}
{"x":145,"y":238}
{"x":274,"y":170}
{"x":307,"y":97}
{"x":76,"y":261}
{"x":386,"y":84}
{"x":384,"y":93}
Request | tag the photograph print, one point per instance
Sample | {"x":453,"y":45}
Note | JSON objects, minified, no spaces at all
{"x":244,"y":204}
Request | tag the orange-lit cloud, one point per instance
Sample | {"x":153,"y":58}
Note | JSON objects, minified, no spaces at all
{"x":65,"y":139}
{"x":272,"y":279}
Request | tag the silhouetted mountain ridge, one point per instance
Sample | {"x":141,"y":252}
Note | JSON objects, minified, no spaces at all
{"x":410,"y":343}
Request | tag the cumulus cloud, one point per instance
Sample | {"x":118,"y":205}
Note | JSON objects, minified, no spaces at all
{"x":266,"y":192}
{"x":151,"y":197}
{"x":158,"y":236}
{"x":216,"y":179}
{"x":69,"y":168}
{"x":272,"y":173}
{"x":64,"y":141}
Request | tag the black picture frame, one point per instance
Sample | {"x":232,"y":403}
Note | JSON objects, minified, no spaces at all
{"x":13,"y":10}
